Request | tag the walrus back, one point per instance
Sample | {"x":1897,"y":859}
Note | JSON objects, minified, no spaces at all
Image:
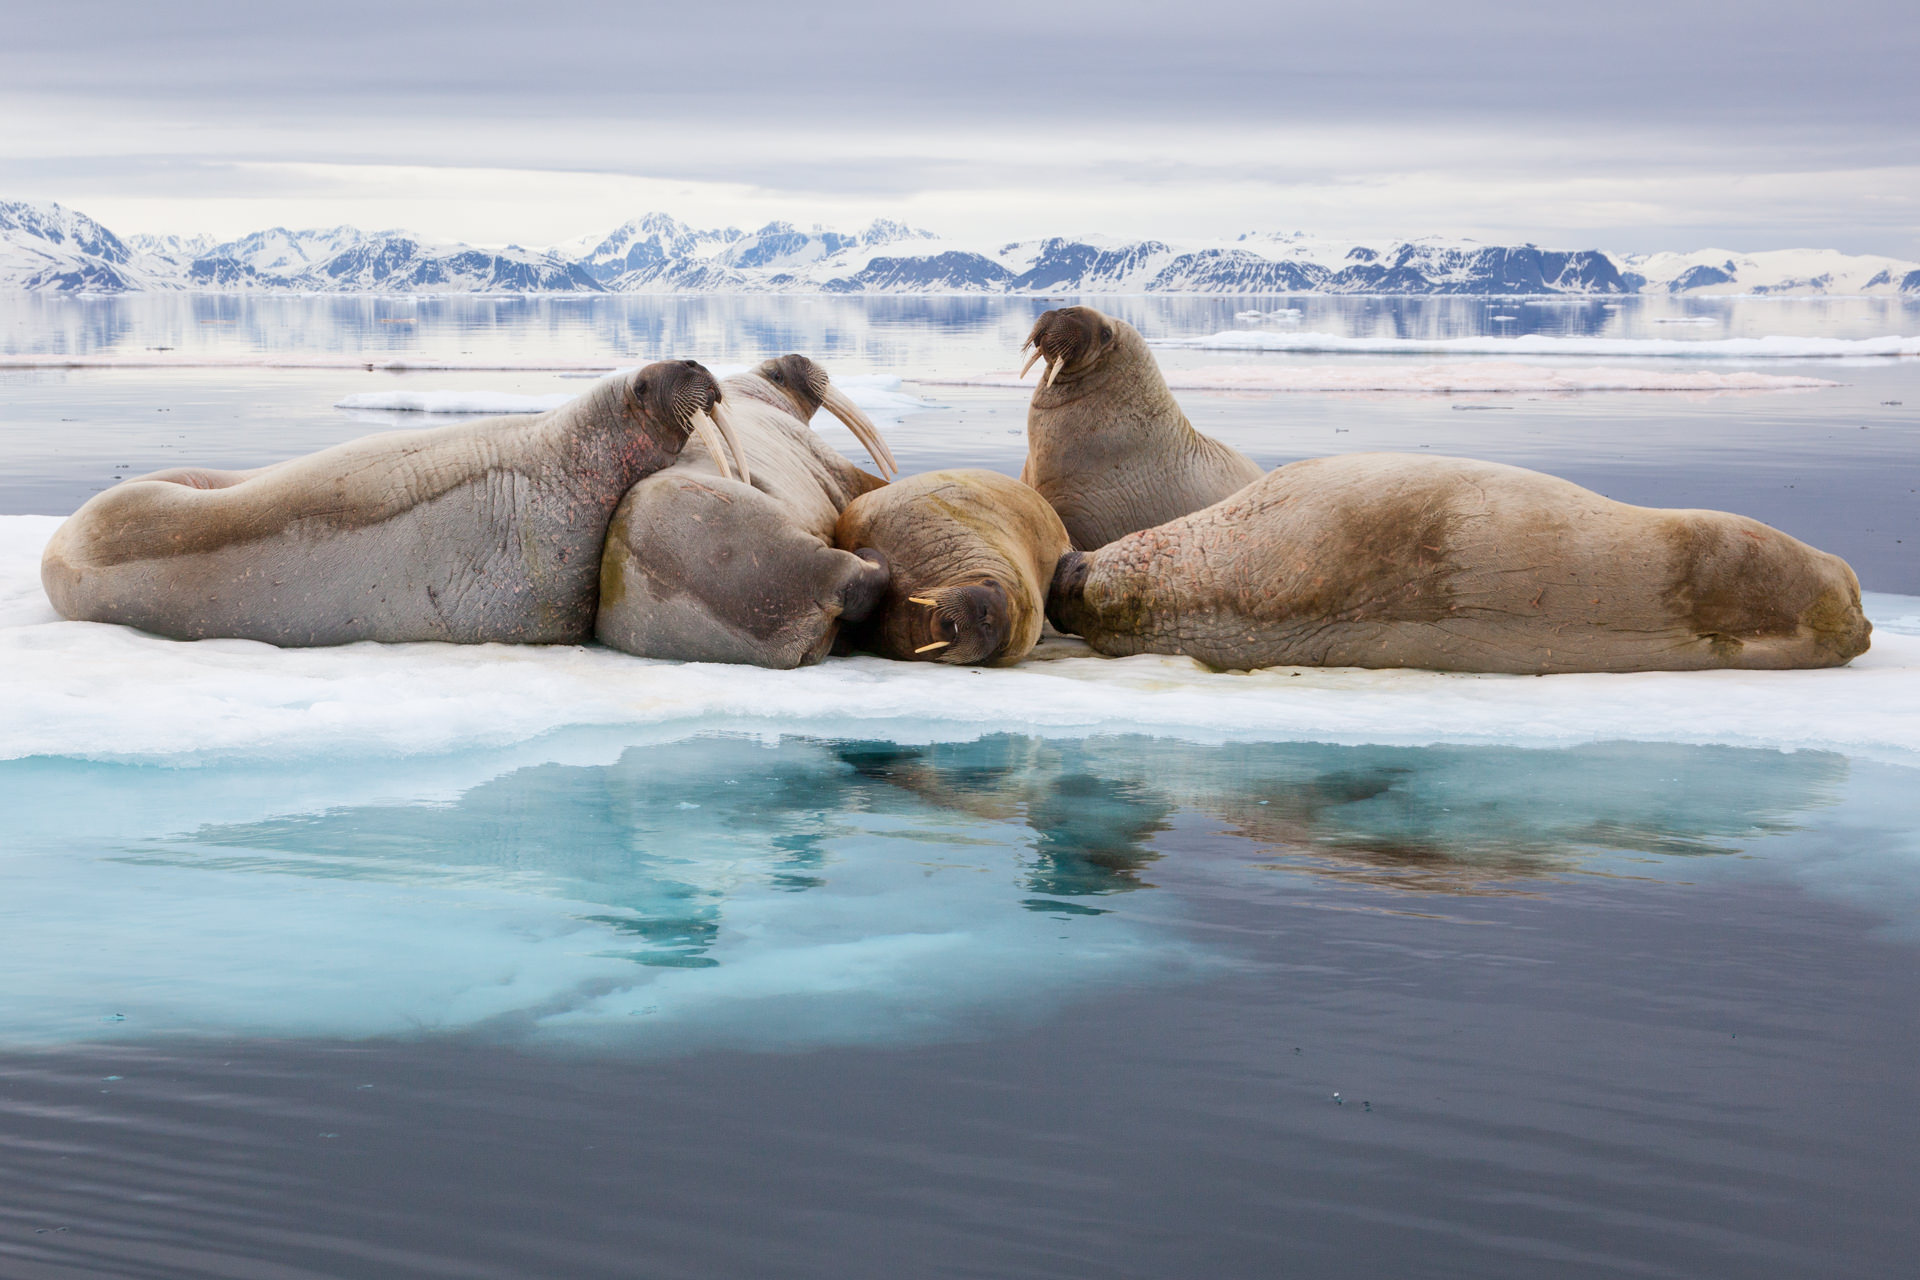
{"x":1382,"y":560}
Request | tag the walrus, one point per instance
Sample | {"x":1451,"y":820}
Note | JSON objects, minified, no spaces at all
{"x":1393,"y":560}
{"x":472,"y":532}
{"x":970,"y":554}
{"x":704,"y":568}
{"x":1106,"y":443}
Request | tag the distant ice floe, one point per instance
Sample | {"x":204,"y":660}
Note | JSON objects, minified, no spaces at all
{"x":1476,"y":377}
{"x":111,"y":693}
{"x":878,"y":394}
{"x":1771,"y":348}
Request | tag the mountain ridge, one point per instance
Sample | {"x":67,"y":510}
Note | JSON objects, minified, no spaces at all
{"x":50,"y":248}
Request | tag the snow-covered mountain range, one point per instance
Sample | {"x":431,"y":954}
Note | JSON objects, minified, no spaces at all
{"x":49,"y":248}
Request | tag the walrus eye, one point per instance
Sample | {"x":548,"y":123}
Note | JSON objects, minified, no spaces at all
{"x":1106,"y":334}
{"x":776,"y":376}
{"x":640,"y":387}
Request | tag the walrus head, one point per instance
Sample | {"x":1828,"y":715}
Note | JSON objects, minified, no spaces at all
{"x":1071,"y":340}
{"x":685,"y":399}
{"x":965,"y":624}
{"x":806,"y":384}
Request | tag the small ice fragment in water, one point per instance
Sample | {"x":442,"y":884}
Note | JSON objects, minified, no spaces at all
{"x":109,"y":1077}
{"x":115,"y":1017}
{"x":1337,"y":1101}
{"x":686,"y":804}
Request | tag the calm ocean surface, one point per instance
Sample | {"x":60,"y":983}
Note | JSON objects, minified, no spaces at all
{"x":700,"y":1002}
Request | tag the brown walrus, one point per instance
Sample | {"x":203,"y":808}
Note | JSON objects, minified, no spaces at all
{"x":704,"y":568}
{"x":1106,"y":443}
{"x":473,"y":532}
{"x":1392,"y":560}
{"x":970,"y":553}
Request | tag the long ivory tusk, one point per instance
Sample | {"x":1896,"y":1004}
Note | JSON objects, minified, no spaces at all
{"x":863,"y":429}
{"x":733,"y":443}
{"x":1053,"y":370}
{"x":710,"y":437}
{"x":931,"y":604}
{"x":937,"y":644}
{"x":1029,"y":364}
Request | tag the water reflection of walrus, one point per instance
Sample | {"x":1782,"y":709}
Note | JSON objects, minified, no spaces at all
{"x":970,"y":552}
{"x":1391,"y":560}
{"x":1106,"y":443}
{"x":704,"y":568}
{"x":474,"y":532}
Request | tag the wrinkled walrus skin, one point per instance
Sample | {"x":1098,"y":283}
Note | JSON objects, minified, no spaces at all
{"x":473,"y":532}
{"x":1106,"y":443}
{"x":703,"y":568}
{"x":1391,"y":560}
{"x":970,"y":553}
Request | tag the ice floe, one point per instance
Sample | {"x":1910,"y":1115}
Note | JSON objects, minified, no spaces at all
{"x":1476,"y":377}
{"x":878,"y":394}
{"x":108,"y":692}
{"x":1770,"y":348}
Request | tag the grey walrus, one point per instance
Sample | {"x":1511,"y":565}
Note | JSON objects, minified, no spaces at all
{"x":703,"y":568}
{"x":473,"y":532}
{"x":1391,"y":560}
{"x":1106,"y":443}
{"x":970,"y":553}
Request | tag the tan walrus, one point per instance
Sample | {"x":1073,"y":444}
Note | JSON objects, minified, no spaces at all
{"x":704,"y":568}
{"x":473,"y":532}
{"x":1392,"y":560}
{"x":1106,"y":443}
{"x":970,"y":553}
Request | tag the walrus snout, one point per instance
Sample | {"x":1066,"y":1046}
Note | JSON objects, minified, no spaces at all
{"x":965,"y":624}
{"x":807,"y":386}
{"x":1065,"y":592}
{"x":1069,"y":339}
{"x":681,"y":398}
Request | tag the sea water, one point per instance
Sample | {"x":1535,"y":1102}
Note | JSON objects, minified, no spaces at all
{"x":428,"y":960}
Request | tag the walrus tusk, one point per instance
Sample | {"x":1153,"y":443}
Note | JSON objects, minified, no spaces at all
{"x":937,"y":644}
{"x":1053,"y":370}
{"x":931,"y":604}
{"x":863,"y":429}
{"x":733,"y":443}
{"x":710,"y":437}
{"x":1029,"y":364}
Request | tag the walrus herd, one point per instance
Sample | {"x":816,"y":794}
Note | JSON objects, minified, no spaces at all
{"x":672,"y":515}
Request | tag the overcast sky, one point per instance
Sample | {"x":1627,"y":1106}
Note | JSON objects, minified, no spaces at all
{"x":1631,"y":125}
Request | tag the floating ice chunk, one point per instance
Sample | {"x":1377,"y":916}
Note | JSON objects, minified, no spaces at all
{"x":878,"y":394}
{"x":1475,"y":377}
{"x":452,"y":402}
{"x":1773,"y":348}
{"x":109,"y":692}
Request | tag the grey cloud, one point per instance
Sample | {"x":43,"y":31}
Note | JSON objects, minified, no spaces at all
{"x":1732,"y":68}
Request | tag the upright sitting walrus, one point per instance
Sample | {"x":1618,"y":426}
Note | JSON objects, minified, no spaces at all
{"x":708,"y":569}
{"x":1391,"y":560}
{"x":474,"y":532}
{"x":1106,"y":443}
{"x":971,"y":554}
